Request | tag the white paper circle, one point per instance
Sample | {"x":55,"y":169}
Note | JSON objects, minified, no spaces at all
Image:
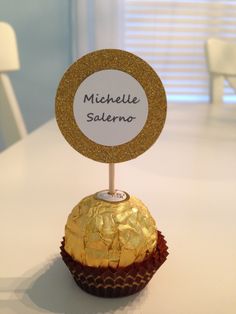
{"x":110,"y":107}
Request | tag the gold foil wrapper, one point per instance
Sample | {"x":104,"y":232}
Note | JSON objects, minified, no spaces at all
{"x":104,"y":234}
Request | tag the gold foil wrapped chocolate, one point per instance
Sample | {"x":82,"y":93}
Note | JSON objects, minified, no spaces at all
{"x":105,"y":234}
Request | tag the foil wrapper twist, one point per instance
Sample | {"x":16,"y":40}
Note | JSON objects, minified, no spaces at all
{"x":104,"y":234}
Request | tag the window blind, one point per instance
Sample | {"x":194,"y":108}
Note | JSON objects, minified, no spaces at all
{"x":171,"y":36}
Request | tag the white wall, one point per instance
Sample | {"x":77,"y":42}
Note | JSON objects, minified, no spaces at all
{"x":43,"y":29}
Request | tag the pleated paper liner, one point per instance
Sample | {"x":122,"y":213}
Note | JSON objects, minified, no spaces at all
{"x":120,"y":282}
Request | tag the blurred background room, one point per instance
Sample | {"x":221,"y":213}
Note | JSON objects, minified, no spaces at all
{"x":170,"y":35}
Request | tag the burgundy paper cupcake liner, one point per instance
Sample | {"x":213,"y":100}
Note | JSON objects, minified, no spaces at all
{"x":120,"y":282}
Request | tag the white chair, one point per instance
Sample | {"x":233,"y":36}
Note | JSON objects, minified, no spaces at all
{"x":221,"y":59}
{"x":12,"y":126}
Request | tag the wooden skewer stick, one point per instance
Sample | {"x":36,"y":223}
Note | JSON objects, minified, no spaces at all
{"x":112,"y":178}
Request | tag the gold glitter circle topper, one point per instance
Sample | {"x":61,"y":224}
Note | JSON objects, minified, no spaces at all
{"x":110,"y":106}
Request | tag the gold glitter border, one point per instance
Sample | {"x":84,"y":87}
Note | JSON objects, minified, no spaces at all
{"x":129,"y":63}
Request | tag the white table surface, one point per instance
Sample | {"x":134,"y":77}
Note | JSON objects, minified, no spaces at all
{"x":188,"y":181}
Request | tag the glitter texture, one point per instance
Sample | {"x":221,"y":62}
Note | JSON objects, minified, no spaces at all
{"x":138,"y":69}
{"x":103,"y":234}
